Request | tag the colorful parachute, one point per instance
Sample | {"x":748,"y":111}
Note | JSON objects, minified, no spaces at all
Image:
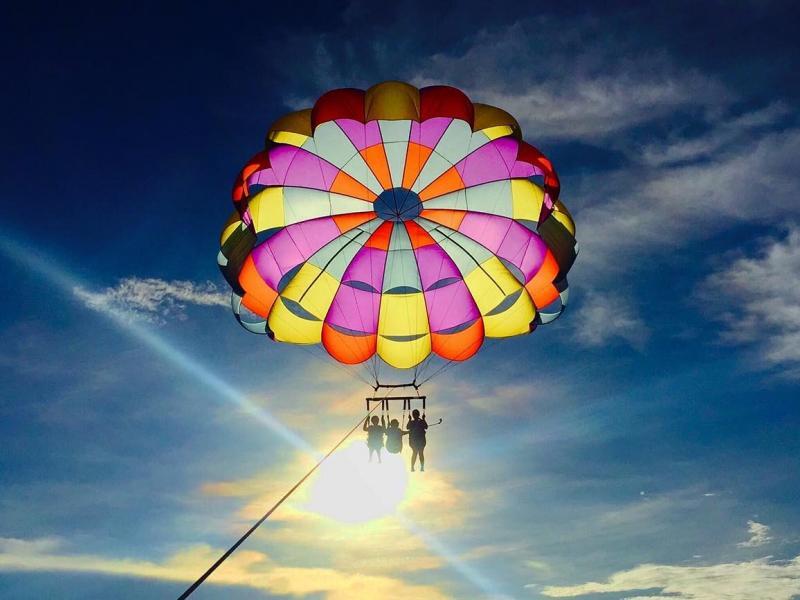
{"x":397,"y":220}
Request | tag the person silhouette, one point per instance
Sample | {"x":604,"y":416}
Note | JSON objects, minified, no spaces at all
{"x":416,"y":438}
{"x":394,"y":437}
{"x":375,"y":433}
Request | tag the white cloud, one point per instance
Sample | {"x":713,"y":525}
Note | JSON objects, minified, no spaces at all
{"x":583,"y":85}
{"x":757,"y":300}
{"x":502,"y":399}
{"x":152,"y":299}
{"x":763,"y":578}
{"x":644,"y":510}
{"x":605,"y":318}
{"x":676,"y":188}
{"x":577,"y":85}
{"x":759,"y":535}
{"x":539,"y":567}
{"x":692,"y":191}
{"x":566,"y":94}
{"x":246,"y":568}
{"x":678,"y":149}
{"x":652,"y":210}
{"x":20,"y":547}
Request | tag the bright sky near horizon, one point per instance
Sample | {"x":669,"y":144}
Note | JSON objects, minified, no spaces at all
{"x":643,"y":446}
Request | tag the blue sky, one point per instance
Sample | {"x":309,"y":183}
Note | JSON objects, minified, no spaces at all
{"x":643,"y":446}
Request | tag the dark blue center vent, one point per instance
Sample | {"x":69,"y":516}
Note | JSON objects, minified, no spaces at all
{"x":398,"y":204}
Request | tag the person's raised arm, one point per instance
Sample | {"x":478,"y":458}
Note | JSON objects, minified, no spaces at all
{"x":424,"y":422}
{"x":366,"y":423}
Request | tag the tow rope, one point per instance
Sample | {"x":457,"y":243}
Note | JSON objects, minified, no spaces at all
{"x":266,"y":515}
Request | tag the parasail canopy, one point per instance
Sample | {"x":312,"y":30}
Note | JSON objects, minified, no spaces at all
{"x":397,"y":221}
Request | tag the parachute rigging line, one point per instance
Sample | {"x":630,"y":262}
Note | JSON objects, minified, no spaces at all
{"x":267,"y":514}
{"x":347,"y":369}
{"x":450,"y":363}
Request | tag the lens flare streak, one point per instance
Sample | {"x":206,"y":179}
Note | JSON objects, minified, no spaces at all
{"x":72,"y":286}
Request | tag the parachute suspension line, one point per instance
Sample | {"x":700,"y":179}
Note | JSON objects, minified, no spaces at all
{"x":422,"y":398}
{"x":372,"y":369}
{"x":266,"y":515}
{"x":423,"y":368}
{"x":388,"y":404}
{"x":489,"y":343}
{"x":387,"y":396}
{"x":439,"y":371}
{"x":351,"y":372}
{"x":376,"y":369}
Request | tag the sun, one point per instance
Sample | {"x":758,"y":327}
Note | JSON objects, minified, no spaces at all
{"x":350,"y":489}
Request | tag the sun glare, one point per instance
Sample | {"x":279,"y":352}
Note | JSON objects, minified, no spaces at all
{"x":349,"y":489}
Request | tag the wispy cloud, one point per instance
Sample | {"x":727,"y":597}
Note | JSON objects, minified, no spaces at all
{"x":246,"y":568}
{"x":670,"y":196}
{"x":652,"y":210}
{"x":759,"y":535}
{"x":604,"y":318}
{"x":564,"y":94}
{"x":723,"y":132}
{"x":705,"y":165}
{"x":648,"y":511}
{"x":763,"y":578}
{"x":578,"y":85}
{"x":503,"y":399}
{"x":757,"y":300}
{"x":21,"y":341}
{"x":151,"y":299}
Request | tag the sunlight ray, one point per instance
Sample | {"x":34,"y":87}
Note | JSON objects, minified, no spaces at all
{"x":71,"y":285}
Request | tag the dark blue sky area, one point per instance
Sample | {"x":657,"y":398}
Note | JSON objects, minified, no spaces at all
{"x":152,"y":110}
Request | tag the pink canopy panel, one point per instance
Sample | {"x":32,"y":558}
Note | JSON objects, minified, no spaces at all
{"x":398,"y":222}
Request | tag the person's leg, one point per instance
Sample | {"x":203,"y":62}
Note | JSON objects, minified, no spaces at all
{"x":422,"y":458}
{"x":379,"y":455}
{"x":370,"y":454}
{"x":413,"y":458}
